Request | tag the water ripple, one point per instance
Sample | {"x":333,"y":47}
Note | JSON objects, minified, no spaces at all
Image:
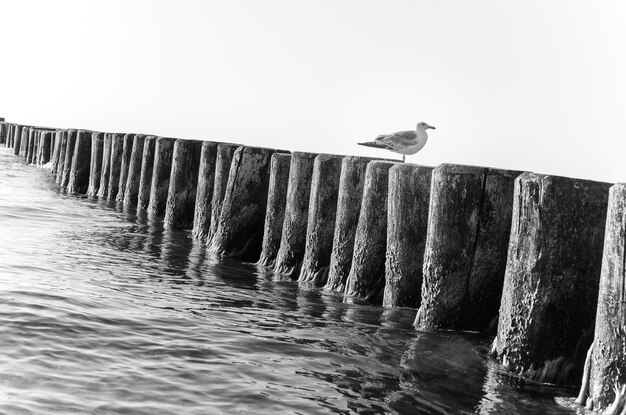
{"x":103,"y":311}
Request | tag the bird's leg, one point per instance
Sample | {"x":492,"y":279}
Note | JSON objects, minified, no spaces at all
{"x":403,"y":156}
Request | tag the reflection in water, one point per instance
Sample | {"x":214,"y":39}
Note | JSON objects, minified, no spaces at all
{"x":102,"y":310}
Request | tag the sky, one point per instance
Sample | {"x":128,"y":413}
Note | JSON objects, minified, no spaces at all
{"x":535,"y":86}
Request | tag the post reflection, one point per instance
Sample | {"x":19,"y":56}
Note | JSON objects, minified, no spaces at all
{"x":505,"y":393}
{"x":439,"y":364}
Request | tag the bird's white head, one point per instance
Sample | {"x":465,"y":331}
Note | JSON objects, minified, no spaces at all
{"x":423,"y":126}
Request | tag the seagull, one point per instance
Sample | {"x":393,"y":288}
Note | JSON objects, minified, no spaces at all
{"x":402,"y":142}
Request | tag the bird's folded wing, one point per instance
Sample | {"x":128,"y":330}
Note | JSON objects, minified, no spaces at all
{"x":403,"y":137}
{"x":394,"y":141}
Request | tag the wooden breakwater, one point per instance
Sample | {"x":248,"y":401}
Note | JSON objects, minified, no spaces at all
{"x":537,"y":260}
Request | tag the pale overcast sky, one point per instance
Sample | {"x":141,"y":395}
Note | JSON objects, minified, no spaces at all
{"x":529,"y":85}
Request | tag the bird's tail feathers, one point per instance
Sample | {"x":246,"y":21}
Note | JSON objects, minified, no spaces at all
{"x":375,"y":144}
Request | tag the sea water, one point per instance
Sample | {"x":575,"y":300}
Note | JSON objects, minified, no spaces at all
{"x":102,"y":311}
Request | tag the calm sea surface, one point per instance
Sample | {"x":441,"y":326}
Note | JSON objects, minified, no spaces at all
{"x":104,"y":312}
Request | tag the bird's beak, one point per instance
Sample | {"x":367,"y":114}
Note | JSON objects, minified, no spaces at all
{"x":430,"y":126}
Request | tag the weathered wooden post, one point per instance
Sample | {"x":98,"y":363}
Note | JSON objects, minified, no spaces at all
{"x":23,"y":141}
{"x":12,"y":136}
{"x":3,"y":133}
{"x":105,"y":171}
{"x":61,"y":160}
{"x":222,"y":170}
{"x":552,"y":277}
{"x":37,"y":156}
{"x":131,"y":192}
{"x":147,"y":166}
{"x":204,"y":192}
{"x":39,"y":150}
{"x":40,"y":155}
{"x":16,"y":130}
{"x":293,"y":239}
{"x":46,"y":141}
{"x":321,"y":219}
{"x":605,"y":369}
{"x":95,"y":173}
{"x":407,"y":223}
{"x":6,"y":134}
{"x":163,"y":151}
{"x":39,"y":147}
{"x":351,"y":183}
{"x":469,"y":226}
{"x":32,"y":155}
{"x":45,"y":147}
{"x":52,"y":144}
{"x":127,"y":150}
{"x":240,"y":229}
{"x":275,"y":212}
{"x":15,"y":135}
{"x":117,"y":149}
{"x":58,"y":139}
{"x":9,"y":135}
{"x":31,"y":147}
{"x":27,"y":138}
{"x":181,"y":197}
{"x":79,"y":173}
{"x":366,"y":280}
{"x":69,"y":155}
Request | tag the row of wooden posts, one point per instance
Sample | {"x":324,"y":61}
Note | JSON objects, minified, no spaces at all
{"x":538,"y":259}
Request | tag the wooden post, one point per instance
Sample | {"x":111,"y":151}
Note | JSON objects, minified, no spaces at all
{"x":147,"y":166}
{"x":275,"y":214}
{"x":552,"y":276}
{"x":131,"y":192}
{"x":407,"y":223}
{"x":127,"y":150}
{"x":222,"y":170}
{"x":240,"y":229}
{"x":181,"y":197}
{"x":469,"y":226}
{"x":61,"y":161}
{"x":39,"y":150}
{"x":603,"y":382}
{"x":12,"y":136}
{"x":32,"y":156}
{"x":9,"y":133}
{"x":321,"y":219}
{"x":95,"y":174}
{"x":46,"y":145}
{"x":117,"y":149}
{"x":204,"y":192}
{"x":3,"y":133}
{"x":69,"y":155}
{"x":23,"y":141}
{"x":366,"y":280}
{"x":293,"y":240}
{"x":30,"y":149}
{"x":163,"y":150}
{"x":58,"y":139}
{"x":38,"y":154}
{"x":105,"y":171}
{"x":79,"y":174}
{"x":351,"y":184}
